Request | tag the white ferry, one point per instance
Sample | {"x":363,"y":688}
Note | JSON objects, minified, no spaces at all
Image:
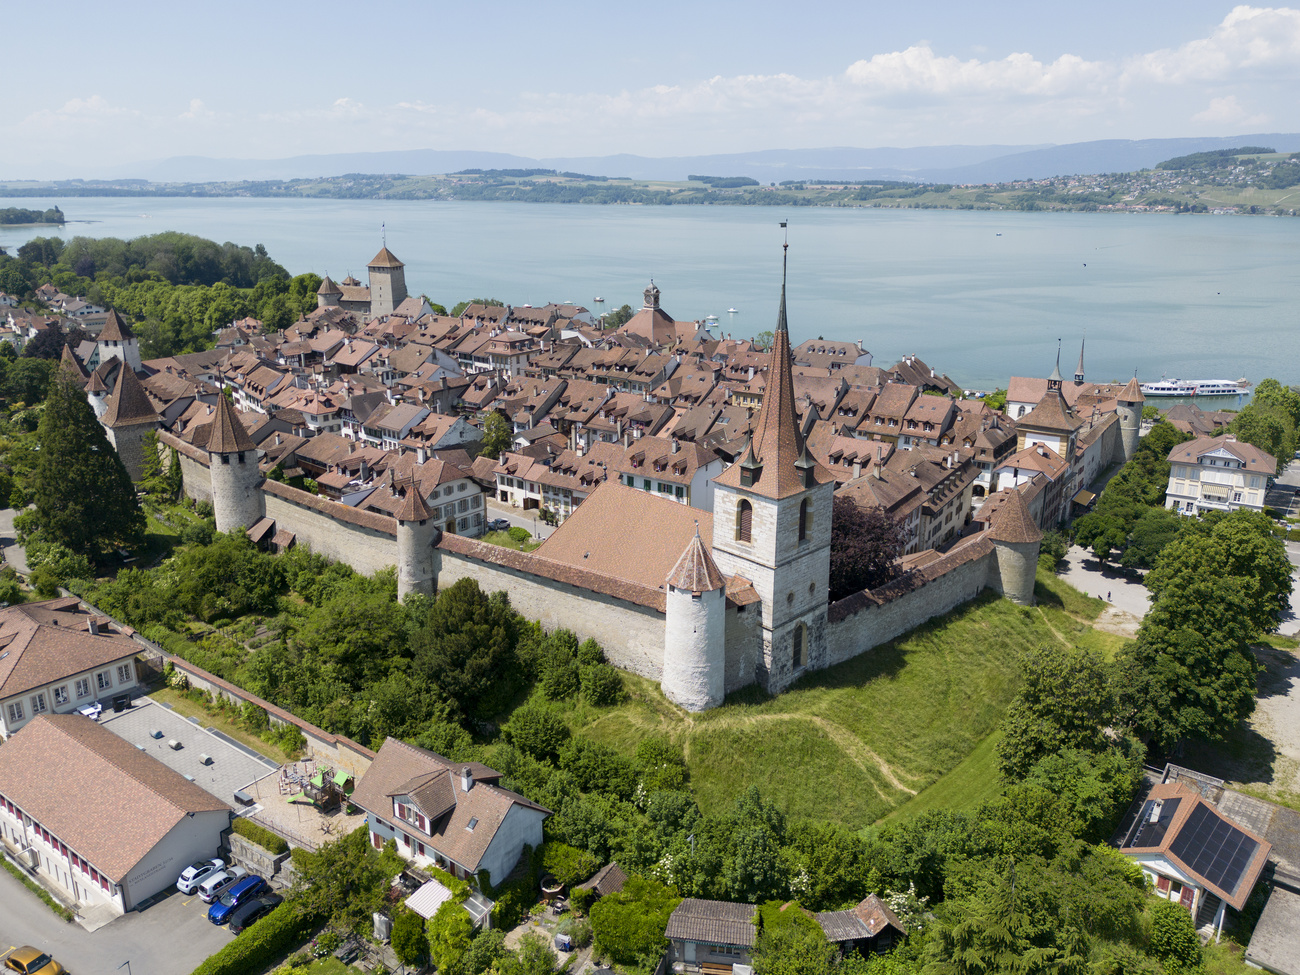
{"x":1197,"y":387}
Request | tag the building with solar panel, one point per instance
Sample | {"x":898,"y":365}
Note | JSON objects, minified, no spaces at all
{"x":1193,"y":853}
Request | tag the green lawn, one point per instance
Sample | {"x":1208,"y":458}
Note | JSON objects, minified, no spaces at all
{"x":186,"y":708}
{"x":861,"y":740}
{"x":974,"y":780}
{"x":505,"y":541}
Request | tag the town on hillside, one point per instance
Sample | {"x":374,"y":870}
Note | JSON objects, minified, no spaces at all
{"x":484,"y":640}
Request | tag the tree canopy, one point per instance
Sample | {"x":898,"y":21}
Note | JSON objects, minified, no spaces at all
{"x":865,"y":546}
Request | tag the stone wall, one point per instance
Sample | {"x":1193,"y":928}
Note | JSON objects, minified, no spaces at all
{"x":245,"y":853}
{"x":866,"y":620}
{"x":368,"y":549}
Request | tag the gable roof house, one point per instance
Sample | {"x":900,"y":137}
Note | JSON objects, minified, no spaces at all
{"x":869,"y":926}
{"x":103,"y":823}
{"x":703,"y":932}
{"x":56,"y":657}
{"x":1217,"y":474}
{"x":454,"y":816}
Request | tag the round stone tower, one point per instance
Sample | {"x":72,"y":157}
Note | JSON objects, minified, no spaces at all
{"x":1129,"y":406}
{"x":417,"y":533}
{"x":232,"y":464}
{"x":695,"y":638}
{"x":328,"y":294}
{"x":1015,"y":540}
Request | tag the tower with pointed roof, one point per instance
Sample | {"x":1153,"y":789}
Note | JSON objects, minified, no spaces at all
{"x":772,"y":526}
{"x":417,"y":533}
{"x":1128,"y":404}
{"x":328,"y":294}
{"x":695,"y":634}
{"x":129,"y":416}
{"x":117,"y":341}
{"x":1016,"y":542}
{"x":232,"y":464}
{"x":387,"y":283}
{"x":1078,"y":370}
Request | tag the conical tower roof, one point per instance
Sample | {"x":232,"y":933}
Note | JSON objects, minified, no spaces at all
{"x":228,"y":435}
{"x":1078,"y":370}
{"x":413,"y":507}
{"x":695,"y":570}
{"x":776,"y":444}
{"x":115,"y":328}
{"x":1013,"y":523}
{"x":328,"y":287}
{"x":1132,"y":392}
{"x":385,"y":258}
{"x":70,"y":362}
{"x":130,"y":403}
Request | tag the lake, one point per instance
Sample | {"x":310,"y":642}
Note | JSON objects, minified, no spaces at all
{"x":978,"y":295}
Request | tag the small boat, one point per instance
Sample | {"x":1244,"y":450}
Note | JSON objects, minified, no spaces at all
{"x":598,"y":300}
{"x":710,"y":318}
{"x":731,"y":311}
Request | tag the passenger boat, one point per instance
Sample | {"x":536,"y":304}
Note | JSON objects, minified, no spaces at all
{"x":1197,"y":387}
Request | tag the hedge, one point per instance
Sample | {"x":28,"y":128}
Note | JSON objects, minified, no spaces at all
{"x":260,"y":835}
{"x":253,"y":951}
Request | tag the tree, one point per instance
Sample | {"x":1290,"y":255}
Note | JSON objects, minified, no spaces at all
{"x":1065,"y":701}
{"x":618,"y":317}
{"x":1173,"y":938}
{"x":85,"y":500}
{"x":789,"y":942}
{"x":450,"y":932}
{"x":408,"y":939}
{"x":537,"y":730}
{"x":346,"y":879}
{"x":629,"y":925}
{"x":534,"y":956}
{"x":460,"y":306}
{"x":486,"y":948}
{"x":865,"y":546}
{"x":47,"y":344}
{"x":763,"y":340}
{"x":1155,"y":529}
{"x":497,"y":435}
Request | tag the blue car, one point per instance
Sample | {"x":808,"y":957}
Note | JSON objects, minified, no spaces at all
{"x":241,"y":893}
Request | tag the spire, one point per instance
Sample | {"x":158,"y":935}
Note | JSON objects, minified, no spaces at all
{"x":1078,"y":370}
{"x":115,"y":328}
{"x":228,"y":435}
{"x":413,"y":507}
{"x":696,"y":571}
{"x":130,"y":403}
{"x":1055,"y":379}
{"x":781,"y":324}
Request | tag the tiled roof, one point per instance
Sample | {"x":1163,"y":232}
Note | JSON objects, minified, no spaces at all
{"x":402,"y":769}
{"x":1132,"y":392}
{"x":1251,"y":456}
{"x":227,"y":435}
{"x":712,"y":922}
{"x":129,"y":404}
{"x":1050,"y":414}
{"x":1012,"y":521}
{"x":103,"y":797}
{"x":609,"y":879}
{"x":49,"y":641}
{"x":385,"y":258}
{"x":413,"y":507}
{"x":695,"y":570}
{"x":866,"y":920}
{"x":115,"y":328}
{"x":328,"y":287}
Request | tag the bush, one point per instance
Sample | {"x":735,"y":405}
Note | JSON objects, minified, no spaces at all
{"x":579,"y":932}
{"x":581,"y":899}
{"x":199,"y":532}
{"x":518,"y":534}
{"x":487,"y":947}
{"x":589,"y":652}
{"x":567,"y":864}
{"x":602,"y":685}
{"x":254,"y":950}
{"x":1173,"y":938}
{"x":537,"y":730}
{"x":260,"y":835}
{"x":407,"y":938}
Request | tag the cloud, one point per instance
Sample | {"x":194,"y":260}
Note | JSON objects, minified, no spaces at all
{"x":919,"y":69}
{"x":1228,"y":111}
{"x":198,"y":110}
{"x":1250,"y":40}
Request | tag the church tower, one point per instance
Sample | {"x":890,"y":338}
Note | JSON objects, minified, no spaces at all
{"x":232,"y":465}
{"x":1078,"y":370}
{"x":387,"y":283}
{"x":117,"y":341}
{"x":772,"y":526}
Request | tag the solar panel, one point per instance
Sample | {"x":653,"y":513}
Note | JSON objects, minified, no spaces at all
{"x":1153,"y":834}
{"x":1214,"y":848}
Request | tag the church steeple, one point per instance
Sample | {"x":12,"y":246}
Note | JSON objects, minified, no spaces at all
{"x":1055,"y":380}
{"x":1078,"y":370}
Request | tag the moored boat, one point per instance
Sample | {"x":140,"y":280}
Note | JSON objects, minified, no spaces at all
{"x":1197,"y":387}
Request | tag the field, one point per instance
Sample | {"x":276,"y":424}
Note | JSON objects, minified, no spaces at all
{"x":908,"y":726}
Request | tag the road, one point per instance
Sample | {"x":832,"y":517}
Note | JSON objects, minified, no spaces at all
{"x":518,"y":517}
{"x":14,"y":553}
{"x":169,"y":938}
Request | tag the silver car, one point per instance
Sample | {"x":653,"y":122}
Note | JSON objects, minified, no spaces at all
{"x":197,"y":872}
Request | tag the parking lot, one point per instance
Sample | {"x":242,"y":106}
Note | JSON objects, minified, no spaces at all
{"x":171,"y":937}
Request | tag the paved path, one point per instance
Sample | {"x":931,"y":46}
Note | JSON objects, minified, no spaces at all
{"x":14,"y":553}
{"x":1128,"y":598}
{"x":173,"y":936}
{"x":519,"y":517}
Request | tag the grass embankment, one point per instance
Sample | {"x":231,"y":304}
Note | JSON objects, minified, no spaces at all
{"x":37,"y":889}
{"x":224,"y":722}
{"x":910,"y":722}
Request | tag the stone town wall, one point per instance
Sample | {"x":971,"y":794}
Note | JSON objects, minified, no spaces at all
{"x":195,"y":473}
{"x":128,"y":441}
{"x":865,"y":620}
{"x":367,"y":549}
{"x":744,"y":646}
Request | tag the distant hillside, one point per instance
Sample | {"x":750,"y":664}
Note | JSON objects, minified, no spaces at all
{"x":943,"y":164}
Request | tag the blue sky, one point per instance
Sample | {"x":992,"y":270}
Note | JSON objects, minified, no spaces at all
{"x":94,"y":86}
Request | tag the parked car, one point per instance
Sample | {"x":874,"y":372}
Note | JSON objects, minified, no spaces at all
{"x":246,"y":914}
{"x":216,"y":885}
{"x":498,"y":525}
{"x":197,"y":872}
{"x":241,"y":893}
{"x":31,"y":961}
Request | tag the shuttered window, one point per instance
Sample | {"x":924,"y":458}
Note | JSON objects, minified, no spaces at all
{"x":744,"y":521}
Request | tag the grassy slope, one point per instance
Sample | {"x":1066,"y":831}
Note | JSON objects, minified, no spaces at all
{"x":858,"y":741}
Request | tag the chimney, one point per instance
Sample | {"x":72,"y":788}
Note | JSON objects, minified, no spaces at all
{"x":94,"y":626}
{"x":857,"y":468}
{"x":466,"y":779}
{"x":876,"y":470}
{"x":676,"y":445}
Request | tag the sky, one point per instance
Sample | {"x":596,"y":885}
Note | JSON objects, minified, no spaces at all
{"x":95,"y":86}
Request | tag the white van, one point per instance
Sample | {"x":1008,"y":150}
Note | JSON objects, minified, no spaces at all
{"x":216,"y":885}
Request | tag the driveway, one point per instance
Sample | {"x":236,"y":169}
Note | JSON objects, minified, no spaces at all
{"x":1128,"y":598}
{"x":172,"y":936}
{"x":518,"y":517}
{"x":14,"y":553}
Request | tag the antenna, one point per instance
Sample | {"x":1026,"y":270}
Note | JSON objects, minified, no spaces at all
{"x":383,"y":234}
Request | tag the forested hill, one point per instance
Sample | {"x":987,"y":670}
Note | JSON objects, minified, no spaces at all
{"x":17,"y":215}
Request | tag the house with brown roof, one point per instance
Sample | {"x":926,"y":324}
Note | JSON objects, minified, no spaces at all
{"x":710,"y":933}
{"x":100,"y":821}
{"x":869,"y":927}
{"x":56,"y":658}
{"x":1217,"y":474}
{"x":454,"y":816}
{"x":678,"y":470}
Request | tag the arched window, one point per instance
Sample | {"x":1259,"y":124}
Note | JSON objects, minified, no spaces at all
{"x":800,"y":646}
{"x":744,"y":521}
{"x":805,"y":518}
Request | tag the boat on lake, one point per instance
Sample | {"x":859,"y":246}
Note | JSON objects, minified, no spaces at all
{"x":1197,"y":387}
{"x":731,"y":311}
